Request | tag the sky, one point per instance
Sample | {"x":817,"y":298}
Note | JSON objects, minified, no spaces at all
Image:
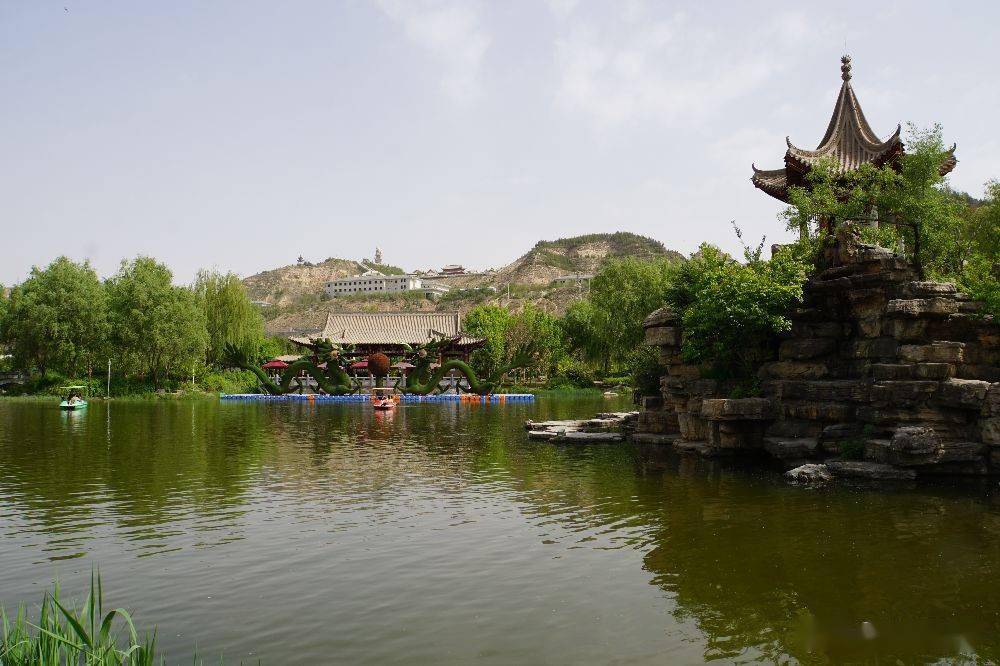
{"x":239,"y":135}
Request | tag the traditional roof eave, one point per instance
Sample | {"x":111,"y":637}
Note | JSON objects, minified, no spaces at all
{"x":849,"y":142}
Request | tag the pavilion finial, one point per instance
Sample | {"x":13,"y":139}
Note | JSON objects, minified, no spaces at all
{"x":845,"y":68}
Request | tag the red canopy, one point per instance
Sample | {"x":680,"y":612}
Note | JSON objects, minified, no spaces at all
{"x":275,"y":365}
{"x":359,"y":365}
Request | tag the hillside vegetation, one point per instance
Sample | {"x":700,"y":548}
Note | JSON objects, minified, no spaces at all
{"x":289,"y":285}
{"x":548,"y":260}
{"x":298,"y":300}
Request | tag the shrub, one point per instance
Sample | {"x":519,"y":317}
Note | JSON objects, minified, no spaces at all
{"x":575,"y":375}
{"x":645,"y":371}
{"x":731,"y":311}
{"x":229,"y":381}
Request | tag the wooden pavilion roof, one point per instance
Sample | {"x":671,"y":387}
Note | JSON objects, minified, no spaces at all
{"x":392,"y":328}
{"x":849,"y":141}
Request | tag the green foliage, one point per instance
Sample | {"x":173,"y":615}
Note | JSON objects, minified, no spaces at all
{"x":645,"y":370}
{"x":57,"y":318}
{"x":622,"y":242}
{"x":491,"y":323}
{"x":473,"y":294}
{"x":622,"y":294}
{"x":731,"y":311}
{"x":979,"y":274}
{"x":948,"y":235}
{"x":556,"y":260}
{"x":852,"y":449}
{"x":63,"y":635}
{"x":231,"y":380}
{"x":538,"y":333}
{"x":530,"y":333}
{"x":580,"y":331}
{"x":573,"y":375}
{"x":272,"y":346}
{"x":157,"y":328}
{"x":230,"y":317}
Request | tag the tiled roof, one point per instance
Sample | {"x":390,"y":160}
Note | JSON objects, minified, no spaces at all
{"x":849,"y":141}
{"x":389,"y":328}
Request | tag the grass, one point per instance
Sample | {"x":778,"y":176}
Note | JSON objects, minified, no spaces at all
{"x":66,"y":636}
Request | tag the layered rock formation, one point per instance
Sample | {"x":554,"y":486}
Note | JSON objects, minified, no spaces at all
{"x":879,"y":367}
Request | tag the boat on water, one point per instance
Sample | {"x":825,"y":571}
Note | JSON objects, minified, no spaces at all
{"x":74,"y":399}
{"x":384,"y":398}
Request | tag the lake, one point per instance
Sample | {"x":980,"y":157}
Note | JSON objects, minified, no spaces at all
{"x":300,"y":534}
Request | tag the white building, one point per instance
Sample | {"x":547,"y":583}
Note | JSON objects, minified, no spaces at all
{"x":578,"y":278}
{"x":372,"y":282}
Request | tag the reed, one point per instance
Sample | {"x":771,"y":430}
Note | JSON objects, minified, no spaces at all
{"x":67,"y":636}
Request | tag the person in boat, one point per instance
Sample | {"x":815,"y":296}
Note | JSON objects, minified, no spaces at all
{"x":73,"y":397}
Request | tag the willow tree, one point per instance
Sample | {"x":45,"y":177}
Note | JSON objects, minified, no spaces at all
{"x":230,"y":318}
{"x":158,"y":328}
{"x":57,"y":318}
{"x":622,"y":294}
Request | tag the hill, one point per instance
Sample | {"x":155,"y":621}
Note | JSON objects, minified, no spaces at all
{"x":579,"y":254}
{"x":298,"y":301}
{"x":303,"y":283}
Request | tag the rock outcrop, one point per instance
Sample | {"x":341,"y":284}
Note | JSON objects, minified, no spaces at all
{"x":897,"y":373}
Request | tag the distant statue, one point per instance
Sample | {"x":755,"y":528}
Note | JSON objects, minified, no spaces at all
{"x":301,"y":260}
{"x":378,"y":255}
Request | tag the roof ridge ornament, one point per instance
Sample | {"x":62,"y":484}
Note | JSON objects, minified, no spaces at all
{"x":845,"y":67}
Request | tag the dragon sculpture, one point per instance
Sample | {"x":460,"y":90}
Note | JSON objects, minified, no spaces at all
{"x":421,"y":381}
{"x":335,"y":380}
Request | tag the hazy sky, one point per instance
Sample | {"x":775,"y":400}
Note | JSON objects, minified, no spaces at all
{"x":238,"y":135}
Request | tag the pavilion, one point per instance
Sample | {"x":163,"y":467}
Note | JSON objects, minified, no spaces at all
{"x":391,"y":332}
{"x":849,"y":141}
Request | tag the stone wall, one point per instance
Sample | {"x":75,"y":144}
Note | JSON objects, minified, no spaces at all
{"x":878,"y":365}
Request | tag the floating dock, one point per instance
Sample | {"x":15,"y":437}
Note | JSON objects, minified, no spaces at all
{"x":497,"y":398}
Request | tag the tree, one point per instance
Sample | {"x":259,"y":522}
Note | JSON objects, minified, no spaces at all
{"x":539,"y":334}
{"x":530,"y":334}
{"x":57,"y":318}
{"x":622,"y":294}
{"x":580,"y":332}
{"x":156,"y":326}
{"x":908,"y":203}
{"x":491,"y":323}
{"x":979,"y":274}
{"x":230,"y":317}
{"x":943,"y":232}
{"x":731,"y":311}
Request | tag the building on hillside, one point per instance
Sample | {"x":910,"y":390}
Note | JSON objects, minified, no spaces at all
{"x":575,"y":278}
{"x":372,"y":282}
{"x":849,"y":142}
{"x":391,"y":332}
{"x":453,"y":269}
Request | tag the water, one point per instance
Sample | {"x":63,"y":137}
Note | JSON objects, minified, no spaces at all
{"x":298,"y":534}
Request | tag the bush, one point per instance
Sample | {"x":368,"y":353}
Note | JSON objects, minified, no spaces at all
{"x":732,"y":311}
{"x":229,"y":381}
{"x":646,"y":371}
{"x":575,"y":375}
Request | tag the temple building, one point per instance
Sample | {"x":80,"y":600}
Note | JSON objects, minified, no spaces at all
{"x":391,"y":332}
{"x":849,"y":141}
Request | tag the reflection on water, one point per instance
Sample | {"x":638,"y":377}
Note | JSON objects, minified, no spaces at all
{"x":300,"y":533}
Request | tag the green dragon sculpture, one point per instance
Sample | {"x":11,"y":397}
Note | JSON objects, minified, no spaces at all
{"x":421,"y":381}
{"x":335,"y":380}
